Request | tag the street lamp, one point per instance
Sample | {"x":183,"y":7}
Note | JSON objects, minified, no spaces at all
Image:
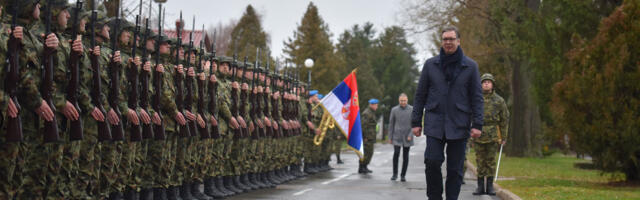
{"x":308,"y":63}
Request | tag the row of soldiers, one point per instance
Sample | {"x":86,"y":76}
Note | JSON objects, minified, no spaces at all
{"x":101,"y":108}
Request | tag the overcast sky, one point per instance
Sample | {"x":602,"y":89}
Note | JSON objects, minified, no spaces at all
{"x":281,"y":17}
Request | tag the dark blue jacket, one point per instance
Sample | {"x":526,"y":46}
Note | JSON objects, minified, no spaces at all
{"x":450,"y":109}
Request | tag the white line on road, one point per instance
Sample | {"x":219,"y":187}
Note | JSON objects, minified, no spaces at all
{"x":335,"y":179}
{"x":302,"y":192}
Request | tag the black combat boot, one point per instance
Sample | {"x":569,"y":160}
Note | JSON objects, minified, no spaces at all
{"x":173,"y":193}
{"x":130,"y":194}
{"x":328,"y":166}
{"x":159,"y":194}
{"x":245,"y":180}
{"x":185,"y":192}
{"x":195,"y":191}
{"x":366,"y":168}
{"x":480,"y":189}
{"x":265,"y":179}
{"x":490,"y":190}
{"x":146,"y":194}
{"x":211,"y":190}
{"x":339,"y":160}
{"x":222,"y":187}
{"x":257,"y":180}
{"x":228,"y":183}
{"x":361,"y":169}
{"x":239,"y":185}
{"x":115,"y":196}
{"x":273,"y":178}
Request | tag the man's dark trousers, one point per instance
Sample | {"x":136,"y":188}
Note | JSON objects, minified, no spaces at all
{"x":434,"y":157}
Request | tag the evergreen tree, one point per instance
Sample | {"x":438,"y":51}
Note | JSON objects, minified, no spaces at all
{"x":248,"y":35}
{"x":312,"y":39}
{"x":598,"y":102}
{"x":394,"y":65}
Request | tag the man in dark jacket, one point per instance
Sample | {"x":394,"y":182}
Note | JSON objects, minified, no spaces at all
{"x":450,"y":96}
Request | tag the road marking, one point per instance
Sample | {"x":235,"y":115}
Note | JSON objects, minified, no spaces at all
{"x":335,"y":179}
{"x":302,"y":192}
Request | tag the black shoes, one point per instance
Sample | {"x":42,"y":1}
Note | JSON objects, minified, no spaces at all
{"x":480,"y":189}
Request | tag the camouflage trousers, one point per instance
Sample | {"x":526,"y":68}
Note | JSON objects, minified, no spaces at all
{"x":238,"y":156}
{"x":183,"y":161}
{"x":201,"y":157}
{"x":214,"y":164}
{"x":10,"y":164}
{"x":160,"y":161}
{"x":486,"y":158}
{"x":228,"y":142}
{"x":368,"y":152}
{"x":109,"y":172}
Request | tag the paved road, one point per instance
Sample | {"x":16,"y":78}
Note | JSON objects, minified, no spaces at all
{"x":345,"y":183}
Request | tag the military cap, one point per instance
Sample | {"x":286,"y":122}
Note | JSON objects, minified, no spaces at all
{"x":373,"y":101}
{"x":225,"y":59}
{"x":487,"y":76}
{"x":313,"y":92}
{"x":25,"y":7}
{"x":320,"y":96}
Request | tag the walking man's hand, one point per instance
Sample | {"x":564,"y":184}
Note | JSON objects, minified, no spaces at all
{"x":417,"y":131}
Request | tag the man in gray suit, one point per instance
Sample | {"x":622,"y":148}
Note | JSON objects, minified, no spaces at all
{"x":449,"y":95}
{"x":400,"y":135}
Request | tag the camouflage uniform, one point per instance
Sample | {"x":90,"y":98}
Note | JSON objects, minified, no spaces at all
{"x":368,"y":134}
{"x":495,"y":130}
{"x":8,"y":151}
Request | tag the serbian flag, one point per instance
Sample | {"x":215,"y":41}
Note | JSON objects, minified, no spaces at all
{"x":342,"y":104}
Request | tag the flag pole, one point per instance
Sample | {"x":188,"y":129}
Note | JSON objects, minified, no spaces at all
{"x":495,"y":179}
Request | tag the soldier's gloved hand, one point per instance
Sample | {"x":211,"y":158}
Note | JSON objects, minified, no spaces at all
{"x":156,"y":119}
{"x":503,"y":142}
{"x":97,"y":114}
{"x":137,"y":61}
{"x":214,"y":121}
{"x":160,"y":68}
{"x":77,"y":45}
{"x":201,"y":121}
{"x":44,"y":111}
{"x":310,"y":125}
{"x":144,"y":116}
{"x":275,"y":125}
{"x":17,"y":32}
{"x":191,"y":72}
{"x":251,"y":127}
{"x":180,"y":118}
{"x":180,"y":69}
{"x":234,"y":123}
{"x":70,"y":112}
{"x":190,"y":115}
{"x":133,"y":116}
{"x":95,"y":51}
{"x":260,"y":124}
{"x":147,"y":66}
{"x":318,"y":132}
{"x":51,"y":41}
{"x":12,"y":109}
{"x":113,"y":117}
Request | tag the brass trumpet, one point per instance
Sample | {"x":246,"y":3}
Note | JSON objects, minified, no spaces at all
{"x":325,"y":123}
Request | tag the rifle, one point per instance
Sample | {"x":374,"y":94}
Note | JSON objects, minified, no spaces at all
{"x":184,"y":129}
{"x":104,"y":134}
{"x":117,"y":131}
{"x":265,"y":98}
{"x":243,"y":98}
{"x":147,"y":130}
{"x":188,"y":101}
{"x":255,"y":104}
{"x":234,"y":95}
{"x":50,"y":127}
{"x":14,"y":125}
{"x":213,"y":93}
{"x":132,"y":77}
{"x":158,"y":129}
{"x":75,"y":132}
{"x":204,"y":132}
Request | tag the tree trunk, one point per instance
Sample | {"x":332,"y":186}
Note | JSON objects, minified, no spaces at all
{"x":524,"y":124}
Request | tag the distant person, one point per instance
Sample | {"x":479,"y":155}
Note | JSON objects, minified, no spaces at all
{"x":450,"y":97}
{"x":495,"y":129}
{"x":400,"y":135}
{"x":369,"y":122}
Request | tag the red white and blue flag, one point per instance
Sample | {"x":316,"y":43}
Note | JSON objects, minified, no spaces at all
{"x":342,"y":104}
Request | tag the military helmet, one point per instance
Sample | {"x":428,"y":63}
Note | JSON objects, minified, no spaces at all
{"x":225,"y":59}
{"x":25,"y":7}
{"x":57,"y":6}
{"x":487,"y":76}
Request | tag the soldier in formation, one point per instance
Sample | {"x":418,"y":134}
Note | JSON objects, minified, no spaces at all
{"x":97,"y":107}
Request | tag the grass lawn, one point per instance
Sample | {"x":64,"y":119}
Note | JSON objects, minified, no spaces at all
{"x":555,"y":177}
